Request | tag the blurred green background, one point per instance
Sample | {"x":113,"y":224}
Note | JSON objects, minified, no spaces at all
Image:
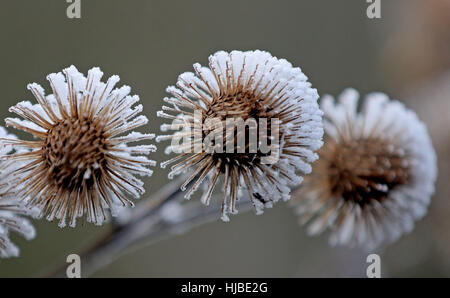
{"x":148,"y":43}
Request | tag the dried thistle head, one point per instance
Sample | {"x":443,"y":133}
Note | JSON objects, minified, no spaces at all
{"x":375,"y":175}
{"x":80,"y":165}
{"x":249,"y":118}
{"x":10,"y":207}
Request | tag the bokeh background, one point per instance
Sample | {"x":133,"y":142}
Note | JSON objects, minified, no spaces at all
{"x":148,"y":43}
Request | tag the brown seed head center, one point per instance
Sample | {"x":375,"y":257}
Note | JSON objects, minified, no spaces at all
{"x":365,"y":169}
{"x":242,"y":105}
{"x":74,"y":151}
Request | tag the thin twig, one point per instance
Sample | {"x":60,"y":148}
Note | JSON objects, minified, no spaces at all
{"x":147,"y":224}
{"x":125,"y":231}
{"x":150,"y":222}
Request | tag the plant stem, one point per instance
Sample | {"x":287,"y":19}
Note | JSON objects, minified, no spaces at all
{"x":146,"y":224}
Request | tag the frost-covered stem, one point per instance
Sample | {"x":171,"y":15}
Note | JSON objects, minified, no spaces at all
{"x":126,"y":230}
{"x":152,"y":221}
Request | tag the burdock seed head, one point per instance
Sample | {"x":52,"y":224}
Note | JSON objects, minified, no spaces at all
{"x":10,"y":206}
{"x":375,"y":175}
{"x":227,"y":112}
{"x":80,"y":165}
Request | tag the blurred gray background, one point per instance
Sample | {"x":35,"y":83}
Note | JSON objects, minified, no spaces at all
{"x":148,"y":43}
